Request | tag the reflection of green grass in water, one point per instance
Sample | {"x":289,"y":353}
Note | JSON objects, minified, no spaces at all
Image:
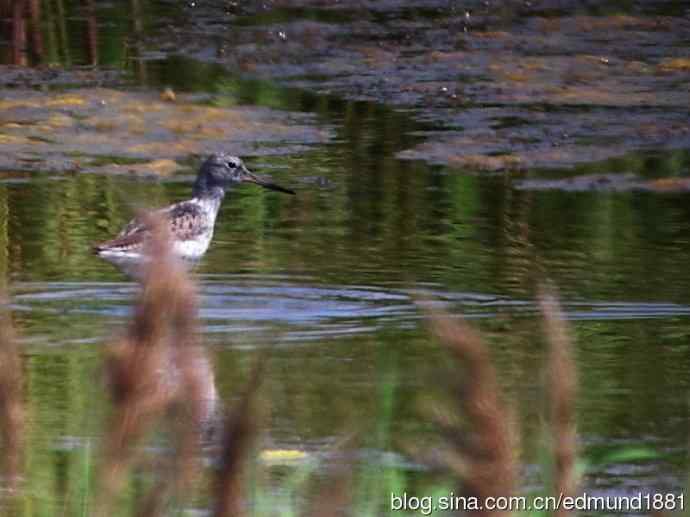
{"x":374,"y":482}
{"x":59,"y":456}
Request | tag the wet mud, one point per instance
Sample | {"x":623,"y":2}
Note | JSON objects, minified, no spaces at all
{"x":109,"y":131}
{"x":499,"y":86}
{"x":510,"y":85}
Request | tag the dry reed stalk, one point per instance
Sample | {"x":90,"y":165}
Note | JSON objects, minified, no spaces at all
{"x":332,"y":501}
{"x":175,"y":474}
{"x":336,"y":497}
{"x":238,"y":436}
{"x":11,"y":403}
{"x":152,"y":369}
{"x":484,"y":456}
{"x":561,"y":387}
{"x":335,"y":494}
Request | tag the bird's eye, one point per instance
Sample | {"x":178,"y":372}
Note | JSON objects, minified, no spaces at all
{"x":232,"y":165}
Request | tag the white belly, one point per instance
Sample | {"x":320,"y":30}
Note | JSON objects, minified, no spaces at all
{"x":192,"y":249}
{"x":130,"y":262}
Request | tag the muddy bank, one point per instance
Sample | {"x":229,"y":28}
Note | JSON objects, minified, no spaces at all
{"x":21,"y":77}
{"x":511,"y":85}
{"x":607,"y":183}
{"x":502,"y":85}
{"x":110,"y":131}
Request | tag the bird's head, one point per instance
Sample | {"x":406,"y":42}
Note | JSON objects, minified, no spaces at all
{"x":223,"y":170}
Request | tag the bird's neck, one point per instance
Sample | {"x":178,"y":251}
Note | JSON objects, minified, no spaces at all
{"x":205,"y":187}
{"x":209,"y":200}
{"x":210,"y":193}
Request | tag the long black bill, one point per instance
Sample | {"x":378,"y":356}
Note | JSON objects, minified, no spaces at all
{"x":252,"y":178}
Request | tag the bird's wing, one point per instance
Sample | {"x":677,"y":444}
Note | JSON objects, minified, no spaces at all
{"x":185,"y":221}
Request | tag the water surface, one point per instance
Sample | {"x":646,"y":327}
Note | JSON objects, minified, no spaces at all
{"x":329,"y":279}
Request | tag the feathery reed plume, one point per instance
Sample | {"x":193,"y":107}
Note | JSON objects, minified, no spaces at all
{"x":238,"y":436}
{"x":193,"y":410}
{"x":484,"y":455}
{"x":11,"y":405}
{"x":153,"y":369}
{"x":336,"y":494}
{"x":561,"y":387}
{"x":335,"y":498}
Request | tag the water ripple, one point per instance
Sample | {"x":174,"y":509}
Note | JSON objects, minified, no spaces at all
{"x":306,"y":311}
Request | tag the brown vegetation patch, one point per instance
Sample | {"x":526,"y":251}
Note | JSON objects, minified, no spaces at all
{"x":485,"y":163}
{"x":93,"y":122}
{"x":675,"y":64}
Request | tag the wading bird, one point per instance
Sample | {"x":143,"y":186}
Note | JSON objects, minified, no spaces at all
{"x":190,"y":223}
